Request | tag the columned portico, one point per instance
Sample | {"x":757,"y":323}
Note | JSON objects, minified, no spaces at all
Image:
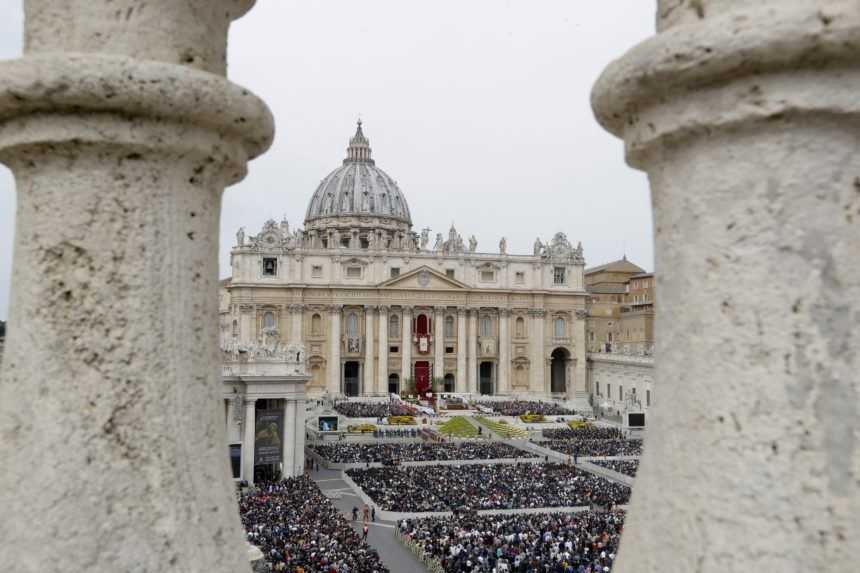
{"x":504,"y":370}
{"x":382,"y":366}
{"x":334,"y":365}
{"x":462,"y":346}
{"x":472,"y":366}
{"x":368,"y":348}
{"x":406,"y":345}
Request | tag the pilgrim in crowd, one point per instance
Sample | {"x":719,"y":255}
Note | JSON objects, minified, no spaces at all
{"x":298,"y":529}
{"x":520,"y":407}
{"x":584,"y":433}
{"x":418,"y":452}
{"x":602,"y":448}
{"x":626,"y":467}
{"x":584,"y":542}
{"x":479,"y":486}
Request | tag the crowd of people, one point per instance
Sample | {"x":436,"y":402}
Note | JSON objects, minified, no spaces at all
{"x":418,"y":452}
{"x":584,"y":433}
{"x":602,"y":448}
{"x":626,"y":467}
{"x":299,"y":530}
{"x":584,"y":542}
{"x":498,"y":486}
{"x":520,"y":407}
{"x":378,"y":410}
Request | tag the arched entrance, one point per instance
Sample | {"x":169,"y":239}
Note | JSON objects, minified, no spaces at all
{"x":351,"y":386}
{"x":393,"y":384}
{"x":558,"y":371}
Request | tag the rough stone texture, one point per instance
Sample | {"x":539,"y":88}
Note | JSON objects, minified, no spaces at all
{"x":111,"y":431}
{"x":744,"y":115}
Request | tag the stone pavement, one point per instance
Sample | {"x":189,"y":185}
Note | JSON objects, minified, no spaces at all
{"x":394,"y":555}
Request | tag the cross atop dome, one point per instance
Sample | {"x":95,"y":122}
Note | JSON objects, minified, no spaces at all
{"x":359,"y":148}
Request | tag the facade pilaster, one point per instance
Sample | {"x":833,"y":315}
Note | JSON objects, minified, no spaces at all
{"x":472,"y":364}
{"x":289,"y":445}
{"x":334,"y":366}
{"x":248,"y":434}
{"x":382,"y":364}
{"x":537,"y":382}
{"x":299,"y":437}
{"x":296,"y":312}
{"x":406,"y":345}
{"x":744,"y":116}
{"x":439,"y":342}
{"x":462,"y":351}
{"x":504,"y":375}
{"x":577,"y":389}
{"x":368,"y":349}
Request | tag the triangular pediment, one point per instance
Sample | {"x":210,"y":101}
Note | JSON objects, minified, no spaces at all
{"x":423,"y":278}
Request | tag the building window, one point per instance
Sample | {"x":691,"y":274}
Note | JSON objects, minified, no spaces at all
{"x":344,"y":242}
{"x":486,"y":326}
{"x":488,"y":276}
{"x":353,"y":272}
{"x":235,"y":329}
{"x":395,"y":272}
{"x":449,"y":273}
{"x":316,"y":271}
{"x":449,"y":327}
{"x":521,"y":327}
{"x":647,"y":397}
{"x":609,"y":391}
{"x":269,"y":320}
{"x":316,"y":324}
{"x":352,"y":325}
{"x":559,"y":327}
{"x":270,"y":266}
{"x":393,"y":349}
{"x":449,"y":350}
{"x":621,"y":392}
{"x":394,"y":326}
{"x":558,"y":276}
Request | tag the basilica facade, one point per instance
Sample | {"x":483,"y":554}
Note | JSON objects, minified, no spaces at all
{"x":379,"y":308}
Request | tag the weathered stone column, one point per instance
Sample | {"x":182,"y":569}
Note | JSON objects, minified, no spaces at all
{"x":382,"y":367}
{"x":745,"y":116}
{"x":122,"y":132}
{"x":504,"y":352}
{"x":406,"y":345}
{"x":299,"y":433}
{"x":472,"y":365}
{"x":462,"y":346}
{"x":288,"y":453}
{"x":368,"y":349}
{"x":537,"y":382}
{"x":439,"y":342}
{"x":248,"y":434}
{"x":334,"y":366}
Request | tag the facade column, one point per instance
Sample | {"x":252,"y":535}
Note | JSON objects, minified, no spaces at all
{"x":296,"y":321}
{"x":744,"y":115}
{"x":368,"y":349}
{"x":289,"y":445}
{"x":382,"y":363}
{"x":334,"y":366}
{"x":113,"y":325}
{"x":247,"y":324}
{"x":439,"y":342}
{"x":299,"y":437}
{"x":504,"y":376}
{"x":537,"y":382}
{"x":461,"y":384}
{"x":577,"y":389}
{"x":472,"y":364}
{"x":406,"y":345}
{"x":248,"y":434}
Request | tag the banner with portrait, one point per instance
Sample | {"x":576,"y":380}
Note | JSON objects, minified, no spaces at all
{"x":269,"y":437}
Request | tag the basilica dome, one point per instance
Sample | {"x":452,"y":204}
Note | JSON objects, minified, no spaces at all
{"x":358,"y":190}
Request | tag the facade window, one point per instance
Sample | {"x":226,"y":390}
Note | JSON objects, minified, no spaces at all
{"x":316,"y":271}
{"x":269,"y":320}
{"x":270,"y":266}
{"x":521,"y":327}
{"x":449,"y":350}
{"x":449,"y":327}
{"x":316,"y":324}
{"x":353,"y":272}
{"x":394,"y":326}
{"x":609,"y":391}
{"x":621,"y":392}
{"x":486,"y":326}
{"x":647,"y":397}
{"x":520,"y":277}
{"x":393,"y":349}
{"x":591,"y":335}
{"x":352,"y":325}
{"x":235,"y":329}
{"x":395,"y":272}
{"x":559,"y":327}
{"x":488,"y":276}
{"x":558,"y":276}
{"x":449,"y":273}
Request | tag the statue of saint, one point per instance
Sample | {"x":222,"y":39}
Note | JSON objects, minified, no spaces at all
{"x":285,"y":228}
{"x":240,"y":236}
{"x":538,"y":247}
{"x":503,"y":246}
{"x":425,"y":238}
{"x":473,"y":244}
{"x":439,"y":243}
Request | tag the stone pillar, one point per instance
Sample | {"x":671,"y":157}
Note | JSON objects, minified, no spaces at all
{"x":472,"y":365}
{"x":537,"y":382}
{"x":296,"y":319}
{"x":248,"y":433}
{"x":406,"y":345}
{"x":334,"y":365}
{"x":368,"y":349}
{"x":744,"y":116}
{"x":299,"y":438}
{"x":247,"y":323}
{"x":504,"y":375}
{"x":289,"y":445}
{"x":122,"y":132}
{"x":577,"y":389}
{"x":382,"y":364}
{"x":439,"y":342}
{"x":462,"y":346}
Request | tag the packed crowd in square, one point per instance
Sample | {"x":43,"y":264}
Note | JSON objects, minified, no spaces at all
{"x":601,"y":448}
{"x":479,"y":486}
{"x":584,"y":542}
{"x":299,"y":530}
{"x":626,"y":467}
{"x":584,"y":433}
{"x":419,"y":452}
{"x":378,"y":410}
{"x":520,"y":407}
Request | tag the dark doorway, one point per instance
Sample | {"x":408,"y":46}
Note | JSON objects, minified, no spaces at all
{"x":485,"y":376}
{"x":422,"y":377}
{"x":393,"y":384}
{"x":449,"y":382}
{"x":558,"y":371}
{"x":351,"y":386}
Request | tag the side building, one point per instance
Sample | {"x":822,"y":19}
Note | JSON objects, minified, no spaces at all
{"x":380,"y":308}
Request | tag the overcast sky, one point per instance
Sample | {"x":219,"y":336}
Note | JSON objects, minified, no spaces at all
{"x":479,"y":109}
